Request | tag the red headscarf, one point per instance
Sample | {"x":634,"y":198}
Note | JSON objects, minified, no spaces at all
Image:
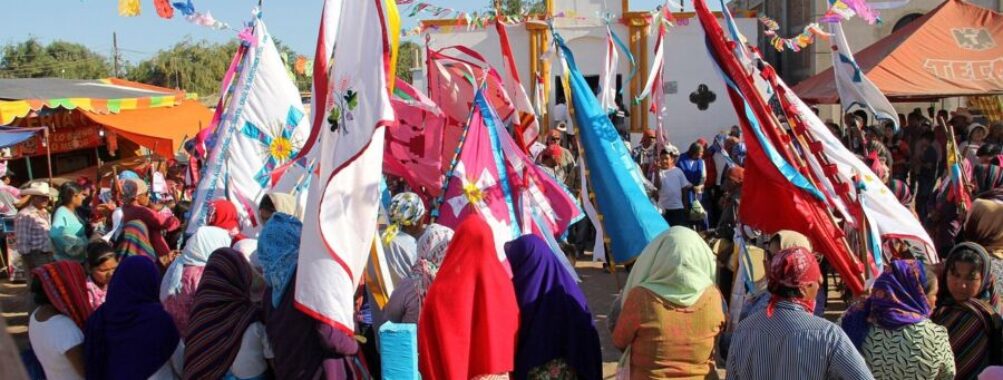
{"x":793,"y":268}
{"x":224,"y":215}
{"x":65,"y":284}
{"x":470,"y":319}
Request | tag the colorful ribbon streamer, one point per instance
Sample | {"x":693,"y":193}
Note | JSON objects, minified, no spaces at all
{"x":796,"y":43}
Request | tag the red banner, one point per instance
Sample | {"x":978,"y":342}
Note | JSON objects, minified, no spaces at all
{"x":68,"y":131}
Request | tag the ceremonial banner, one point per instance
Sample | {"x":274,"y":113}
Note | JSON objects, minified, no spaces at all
{"x":772,"y":172}
{"x":340,"y":221}
{"x":607,"y":78}
{"x":629,"y":218}
{"x":653,"y":86}
{"x":455,"y":76}
{"x":890,"y":217}
{"x":479,"y":182}
{"x":261,"y":127}
{"x":957,"y":192}
{"x":414,"y":146}
{"x":535,"y":189}
{"x":526,"y":127}
{"x":854,"y":88}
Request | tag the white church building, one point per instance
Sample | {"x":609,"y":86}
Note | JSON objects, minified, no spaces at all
{"x":696,"y":102}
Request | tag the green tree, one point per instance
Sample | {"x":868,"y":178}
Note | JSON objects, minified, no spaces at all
{"x":511,"y":7}
{"x":406,"y":55}
{"x":303,"y":82}
{"x":32,"y":59}
{"x":192,"y":66}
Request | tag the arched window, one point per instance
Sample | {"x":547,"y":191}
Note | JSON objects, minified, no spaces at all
{"x":905,"y":20}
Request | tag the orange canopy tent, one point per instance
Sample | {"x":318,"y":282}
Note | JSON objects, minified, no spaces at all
{"x":162,"y":130}
{"x":155,"y":117}
{"x":955,"y":50}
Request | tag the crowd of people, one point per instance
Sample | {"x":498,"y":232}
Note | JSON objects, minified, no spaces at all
{"x":121,"y":292}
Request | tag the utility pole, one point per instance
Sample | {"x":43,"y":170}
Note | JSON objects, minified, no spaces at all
{"x":114,"y":52}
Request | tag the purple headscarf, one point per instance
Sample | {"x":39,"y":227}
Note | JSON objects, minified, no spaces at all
{"x":130,"y":336}
{"x":897,"y":300}
{"x":555,"y":321}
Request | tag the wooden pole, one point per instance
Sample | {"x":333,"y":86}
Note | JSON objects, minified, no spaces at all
{"x":48,"y":154}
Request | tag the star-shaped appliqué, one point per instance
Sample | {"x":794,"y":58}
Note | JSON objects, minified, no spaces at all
{"x":278,"y":143}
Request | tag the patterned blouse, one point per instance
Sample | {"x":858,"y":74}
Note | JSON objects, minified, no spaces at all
{"x":920,"y":351}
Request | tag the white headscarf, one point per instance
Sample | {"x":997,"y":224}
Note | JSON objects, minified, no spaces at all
{"x":204,"y":242}
{"x":249,"y":247}
{"x":432,"y":247}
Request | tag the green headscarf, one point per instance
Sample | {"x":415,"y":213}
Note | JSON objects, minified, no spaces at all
{"x":677,"y":266}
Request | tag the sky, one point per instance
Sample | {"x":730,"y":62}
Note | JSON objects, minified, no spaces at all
{"x":92,"y":22}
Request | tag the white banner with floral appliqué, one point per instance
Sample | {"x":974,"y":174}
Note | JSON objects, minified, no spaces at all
{"x":263,"y":126}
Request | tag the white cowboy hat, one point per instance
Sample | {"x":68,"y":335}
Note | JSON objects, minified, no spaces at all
{"x":37,"y":188}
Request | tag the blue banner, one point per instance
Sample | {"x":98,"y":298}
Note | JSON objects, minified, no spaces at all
{"x":629,"y":218}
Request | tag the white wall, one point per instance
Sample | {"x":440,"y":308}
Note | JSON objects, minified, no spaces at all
{"x":687,"y":65}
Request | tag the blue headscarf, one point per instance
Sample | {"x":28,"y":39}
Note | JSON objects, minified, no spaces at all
{"x":897,"y":300}
{"x":130,"y":336}
{"x":555,"y":321}
{"x":278,"y":250}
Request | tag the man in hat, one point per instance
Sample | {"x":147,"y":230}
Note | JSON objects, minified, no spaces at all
{"x":31,"y":228}
{"x":645,"y":154}
{"x":548,"y":162}
{"x":554,"y":138}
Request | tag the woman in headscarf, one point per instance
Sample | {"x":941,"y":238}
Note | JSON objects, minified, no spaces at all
{"x":557,"y":338}
{"x":101,"y":264}
{"x":407,"y":212}
{"x":977,"y":134}
{"x":408,"y":296}
{"x":227,"y":339}
{"x":131,"y":336}
{"x":985,"y":228}
{"x":223,"y":214}
{"x":965,"y":306}
{"x":304,"y":348}
{"x":470,"y":319}
{"x":177,"y":292}
{"x":275,"y":202}
{"x":55,"y":328}
{"x":782,"y":240}
{"x":672,"y":312}
{"x":136,"y":241}
{"x":892,"y":327}
{"x":786,"y":341}
{"x":249,"y":248}
{"x":69,"y":236}
{"x":136,"y":195}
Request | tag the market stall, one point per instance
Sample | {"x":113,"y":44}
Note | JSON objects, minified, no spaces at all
{"x":88,"y":122}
